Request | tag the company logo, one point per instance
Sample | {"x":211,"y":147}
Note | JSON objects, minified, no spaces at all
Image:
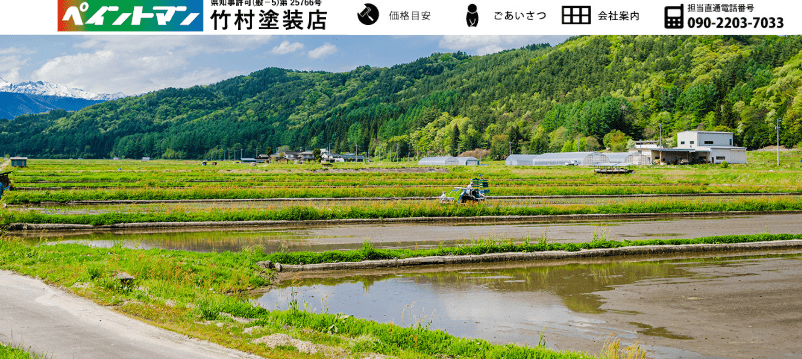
{"x":130,"y":15}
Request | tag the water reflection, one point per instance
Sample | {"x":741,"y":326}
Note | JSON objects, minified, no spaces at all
{"x":511,"y":304}
{"x":272,"y":240}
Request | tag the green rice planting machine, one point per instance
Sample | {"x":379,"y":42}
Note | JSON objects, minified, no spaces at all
{"x":475,"y":191}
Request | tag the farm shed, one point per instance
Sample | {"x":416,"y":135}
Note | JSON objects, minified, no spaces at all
{"x":438,"y":161}
{"x":467,"y":161}
{"x":252,"y":160}
{"x":519,"y":160}
{"x":570,"y":159}
{"x":19,"y":161}
{"x":628,"y":158}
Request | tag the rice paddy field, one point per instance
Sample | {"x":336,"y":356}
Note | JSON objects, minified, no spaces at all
{"x":196,"y":294}
{"x":124,"y":191}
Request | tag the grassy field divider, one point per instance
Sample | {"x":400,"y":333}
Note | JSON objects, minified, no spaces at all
{"x":493,"y":250}
{"x":395,"y":209}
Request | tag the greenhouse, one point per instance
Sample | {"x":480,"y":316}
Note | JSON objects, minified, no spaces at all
{"x":628,"y":158}
{"x":520,"y":160}
{"x":438,"y":161}
{"x":570,"y":159}
{"x":467,"y":161}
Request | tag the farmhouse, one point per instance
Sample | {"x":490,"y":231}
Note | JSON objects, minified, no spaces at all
{"x":19,"y":161}
{"x":701,"y":147}
{"x":252,"y":160}
{"x":328,"y":156}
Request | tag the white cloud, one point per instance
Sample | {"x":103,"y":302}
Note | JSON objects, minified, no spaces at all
{"x":14,"y":50}
{"x":286,"y":47}
{"x":483,"y":45}
{"x":110,"y":64}
{"x":10,"y":67}
{"x":489,"y":49}
{"x":11,"y":62}
{"x":323,"y":51}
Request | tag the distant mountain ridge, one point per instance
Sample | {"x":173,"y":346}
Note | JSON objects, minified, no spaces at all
{"x":16,"y":104}
{"x":43,"y":88}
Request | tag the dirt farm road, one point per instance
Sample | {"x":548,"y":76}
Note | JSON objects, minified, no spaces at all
{"x":59,"y":324}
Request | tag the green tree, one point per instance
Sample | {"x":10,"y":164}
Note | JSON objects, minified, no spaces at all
{"x":499,"y":147}
{"x":616,"y":141}
{"x":455,"y":140}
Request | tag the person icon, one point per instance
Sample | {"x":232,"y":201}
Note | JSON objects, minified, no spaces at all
{"x":472,"y":18}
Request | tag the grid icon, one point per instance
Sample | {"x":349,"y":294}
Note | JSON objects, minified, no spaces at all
{"x":576,"y":15}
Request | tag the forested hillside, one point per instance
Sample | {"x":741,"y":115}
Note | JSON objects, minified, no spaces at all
{"x":585,"y":94}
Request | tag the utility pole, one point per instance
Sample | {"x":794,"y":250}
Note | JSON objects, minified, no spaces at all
{"x":661,"y":143}
{"x":510,"y":148}
{"x":778,"y":140}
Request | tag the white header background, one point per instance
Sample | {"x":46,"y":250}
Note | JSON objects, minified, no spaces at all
{"x":39,"y":17}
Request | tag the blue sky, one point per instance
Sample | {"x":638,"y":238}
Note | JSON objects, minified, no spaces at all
{"x":138,"y":64}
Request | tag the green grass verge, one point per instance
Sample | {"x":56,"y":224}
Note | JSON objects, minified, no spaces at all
{"x":487,"y":246}
{"x":188,"y":292}
{"x":17,"y":352}
{"x":405,"y":210}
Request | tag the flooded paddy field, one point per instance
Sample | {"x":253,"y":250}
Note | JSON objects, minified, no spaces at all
{"x":732,"y":306}
{"x":346,"y":237}
{"x":239,"y":205}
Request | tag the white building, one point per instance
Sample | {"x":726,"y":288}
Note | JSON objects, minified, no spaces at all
{"x":570,"y":159}
{"x":467,"y":161}
{"x":696,"y":139}
{"x":702,"y":146}
{"x":628,"y":158}
{"x":519,"y":160}
{"x":438,"y":161}
{"x":327,"y":156}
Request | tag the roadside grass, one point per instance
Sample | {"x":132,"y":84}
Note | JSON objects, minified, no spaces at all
{"x":204,"y":295}
{"x":508,"y":245}
{"x":398,"y":209}
{"x":18,"y":352}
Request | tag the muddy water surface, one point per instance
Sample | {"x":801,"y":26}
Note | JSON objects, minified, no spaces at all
{"x":744,"y":306}
{"x":421,"y":235}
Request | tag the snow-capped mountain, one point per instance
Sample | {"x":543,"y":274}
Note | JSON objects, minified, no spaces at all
{"x":50,"y":89}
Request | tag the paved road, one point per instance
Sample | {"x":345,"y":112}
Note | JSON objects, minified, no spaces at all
{"x":59,"y":324}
